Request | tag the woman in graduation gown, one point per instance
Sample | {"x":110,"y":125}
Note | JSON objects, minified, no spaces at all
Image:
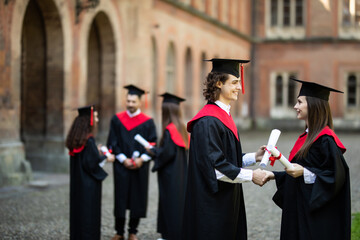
{"x":86,"y":176}
{"x":315,"y":195}
{"x":171,"y":166}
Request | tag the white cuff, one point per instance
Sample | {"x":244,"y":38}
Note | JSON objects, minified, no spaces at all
{"x":309,"y":177}
{"x":145,"y":157}
{"x":121,"y":157}
{"x":102,"y":163}
{"x":249,"y":159}
{"x":245,"y":175}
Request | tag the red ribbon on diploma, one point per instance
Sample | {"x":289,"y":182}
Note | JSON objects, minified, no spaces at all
{"x":273,"y":158}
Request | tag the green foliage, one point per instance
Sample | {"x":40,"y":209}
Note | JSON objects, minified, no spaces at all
{"x":355,"y":226}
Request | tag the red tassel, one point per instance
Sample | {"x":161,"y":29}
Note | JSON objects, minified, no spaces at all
{"x":242,"y":80}
{"x":92,"y":116}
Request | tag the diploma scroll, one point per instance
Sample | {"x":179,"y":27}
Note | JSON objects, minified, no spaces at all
{"x":106,"y":152}
{"x":274,"y":136}
{"x":276,"y":153}
{"x":135,"y":154}
{"x":142,"y":141}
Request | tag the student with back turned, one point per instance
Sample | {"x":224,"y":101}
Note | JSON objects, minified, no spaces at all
{"x":131,"y":167}
{"x":171,"y":166}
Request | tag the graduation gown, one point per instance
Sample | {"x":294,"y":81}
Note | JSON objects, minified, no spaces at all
{"x":86,"y":177}
{"x":130,"y":186}
{"x":320,"y":210}
{"x":171,"y":165}
{"x":214,"y":209}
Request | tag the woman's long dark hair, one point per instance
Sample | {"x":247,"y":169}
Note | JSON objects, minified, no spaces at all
{"x":319,"y":116}
{"x":211,"y":91}
{"x":171,"y":114}
{"x":79,"y":132}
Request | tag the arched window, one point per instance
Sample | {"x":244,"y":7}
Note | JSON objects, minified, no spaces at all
{"x":154,"y":73}
{"x":170,"y":68}
{"x":203,"y":70}
{"x":188,"y":83}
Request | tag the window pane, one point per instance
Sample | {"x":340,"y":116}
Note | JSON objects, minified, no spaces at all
{"x":274,"y":12}
{"x":299,"y":13}
{"x":351,"y":90}
{"x":286,"y":19}
{"x":346,"y":12}
{"x":357,"y":13}
{"x":291,"y":92}
{"x":278,"y":93}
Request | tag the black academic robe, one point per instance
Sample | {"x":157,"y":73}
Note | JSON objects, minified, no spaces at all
{"x":86,"y":177}
{"x":130,"y":186}
{"x":214,"y":209}
{"x":171,"y":165}
{"x":320,"y":210}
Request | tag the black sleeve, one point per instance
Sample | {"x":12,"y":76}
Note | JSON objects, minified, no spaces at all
{"x":91,"y":161}
{"x":112,"y":141}
{"x":278,"y":197}
{"x":329,"y":166}
{"x":165,"y":153}
{"x":206,"y":141}
{"x":149,"y":136}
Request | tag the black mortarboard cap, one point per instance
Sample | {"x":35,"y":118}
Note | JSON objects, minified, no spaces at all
{"x":230,"y":66}
{"x":87,"y":111}
{"x":168,"y":97}
{"x":312,"y":89}
{"x":133,"y":90}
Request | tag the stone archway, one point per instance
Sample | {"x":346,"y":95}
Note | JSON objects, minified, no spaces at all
{"x":42,"y":81}
{"x":101,"y":71}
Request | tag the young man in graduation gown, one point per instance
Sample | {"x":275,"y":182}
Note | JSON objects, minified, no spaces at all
{"x":214,"y":205}
{"x":86,"y":176}
{"x":315,"y":195}
{"x":131,"y":169}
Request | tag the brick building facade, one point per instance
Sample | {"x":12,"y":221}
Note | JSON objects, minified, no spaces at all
{"x":56,"y":55}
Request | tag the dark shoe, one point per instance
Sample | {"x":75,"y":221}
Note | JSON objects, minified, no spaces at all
{"x":132,"y":237}
{"x":118,"y":237}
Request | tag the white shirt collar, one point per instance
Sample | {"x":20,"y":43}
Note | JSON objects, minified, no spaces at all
{"x":137,"y":112}
{"x":223,"y":106}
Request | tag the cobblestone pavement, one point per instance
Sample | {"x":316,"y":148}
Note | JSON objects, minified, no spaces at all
{"x":43,"y":212}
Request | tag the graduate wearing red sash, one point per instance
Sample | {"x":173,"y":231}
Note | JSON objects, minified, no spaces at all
{"x":214,"y":208}
{"x":315,"y":196}
{"x":171,"y":166}
{"x":86,"y":176}
{"x":131,"y":167}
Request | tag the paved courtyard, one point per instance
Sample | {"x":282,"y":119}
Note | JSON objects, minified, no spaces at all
{"x":43,"y":213}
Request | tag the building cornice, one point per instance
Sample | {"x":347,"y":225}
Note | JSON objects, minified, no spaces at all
{"x":193,"y":11}
{"x":310,"y":40}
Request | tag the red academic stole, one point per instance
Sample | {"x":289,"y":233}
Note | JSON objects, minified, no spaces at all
{"x":131,"y":123}
{"x":215,"y":111}
{"x":175,"y":135}
{"x":302,"y":138}
{"x":79,"y":149}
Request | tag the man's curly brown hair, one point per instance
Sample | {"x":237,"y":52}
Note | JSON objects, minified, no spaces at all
{"x":211,"y":92}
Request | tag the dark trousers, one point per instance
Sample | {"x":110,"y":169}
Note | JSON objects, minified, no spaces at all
{"x":120,"y":225}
